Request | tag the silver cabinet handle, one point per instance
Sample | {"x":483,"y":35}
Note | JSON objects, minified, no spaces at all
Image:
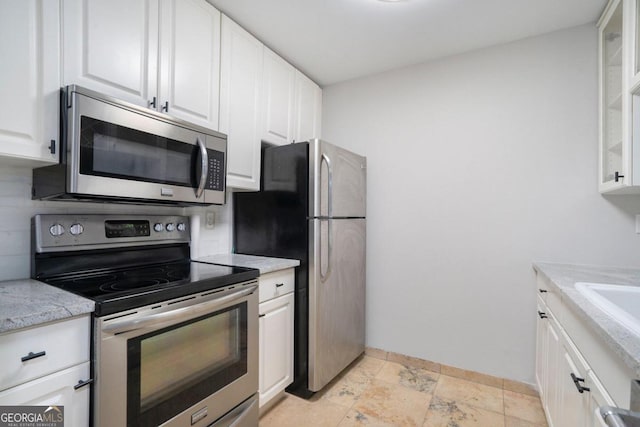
{"x":204,"y":167}
{"x":183,"y":313}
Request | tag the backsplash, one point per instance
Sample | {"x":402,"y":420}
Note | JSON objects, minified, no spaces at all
{"x":17,"y":209}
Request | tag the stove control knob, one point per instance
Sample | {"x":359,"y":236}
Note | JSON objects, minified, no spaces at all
{"x":56,"y":230}
{"x":76,"y":229}
{"x":158,"y":227}
{"x":171,"y":226}
{"x":181,"y":226}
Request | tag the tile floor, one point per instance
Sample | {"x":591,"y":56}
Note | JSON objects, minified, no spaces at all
{"x":376,"y":392}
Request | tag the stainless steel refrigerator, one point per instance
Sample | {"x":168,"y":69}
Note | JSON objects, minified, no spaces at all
{"x":311,"y":207}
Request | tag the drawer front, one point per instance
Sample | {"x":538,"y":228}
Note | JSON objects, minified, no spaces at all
{"x":273,"y":285}
{"x":45,"y":349}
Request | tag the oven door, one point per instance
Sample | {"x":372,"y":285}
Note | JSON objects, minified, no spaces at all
{"x":184,"y":362}
{"x":118,"y":150}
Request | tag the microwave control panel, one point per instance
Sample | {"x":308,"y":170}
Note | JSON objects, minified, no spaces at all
{"x":215,"y":177}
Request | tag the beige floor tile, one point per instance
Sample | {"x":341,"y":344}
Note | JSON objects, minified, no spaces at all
{"x":376,"y":352}
{"x":346,"y":390}
{"x":415,"y":378}
{"x":366,"y":367}
{"x":392,"y":404}
{"x":516,"y":422}
{"x":470,"y":393}
{"x":355,"y":418}
{"x":295,"y":412}
{"x":448,"y":413}
{"x":524,"y":407}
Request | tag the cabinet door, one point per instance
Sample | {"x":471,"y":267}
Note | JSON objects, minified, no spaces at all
{"x":552,"y":401}
{"x":308,"y":109}
{"x":190,"y":61}
{"x":541,"y":350}
{"x":573,"y":404}
{"x":276,"y":346}
{"x":56,"y":390}
{"x":614,"y":172}
{"x":598,"y":397}
{"x":112,"y":47}
{"x":278,"y":85}
{"x":29,"y":48}
{"x":240,"y":79}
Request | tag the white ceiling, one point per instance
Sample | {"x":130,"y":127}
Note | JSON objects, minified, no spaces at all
{"x":336,"y":40}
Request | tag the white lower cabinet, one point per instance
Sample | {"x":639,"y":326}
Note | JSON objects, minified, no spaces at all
{"x":57,"y":389}
{"x":48,"y":365}
{"x":276,"y":334}
{"x":570,"y":391}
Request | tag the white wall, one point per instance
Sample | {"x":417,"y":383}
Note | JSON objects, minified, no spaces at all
{"x":17,"y":208}
{"x":478,"y":165}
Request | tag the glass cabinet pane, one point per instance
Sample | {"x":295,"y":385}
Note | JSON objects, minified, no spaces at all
{"x":612,"y":96}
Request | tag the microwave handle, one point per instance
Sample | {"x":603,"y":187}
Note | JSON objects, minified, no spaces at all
{"x":204,"y":167}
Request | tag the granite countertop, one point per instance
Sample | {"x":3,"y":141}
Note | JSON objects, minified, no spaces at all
{"x":28,"y":302}
{"x":564,"y":276}
{"x":264,"y":264}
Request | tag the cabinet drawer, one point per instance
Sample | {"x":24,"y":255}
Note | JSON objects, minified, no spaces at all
{"x":46,"y":349}
{"x":275,"y":284}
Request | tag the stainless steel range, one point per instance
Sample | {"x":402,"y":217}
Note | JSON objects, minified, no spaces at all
{"x":175,"y":342}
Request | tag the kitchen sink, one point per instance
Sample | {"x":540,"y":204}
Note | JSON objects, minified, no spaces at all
{"x":621,"y":302}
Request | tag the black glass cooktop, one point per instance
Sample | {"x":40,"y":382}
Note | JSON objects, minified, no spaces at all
{"x":116,"y":290}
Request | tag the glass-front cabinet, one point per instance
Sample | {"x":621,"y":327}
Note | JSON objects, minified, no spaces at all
{"x":619,"y":47}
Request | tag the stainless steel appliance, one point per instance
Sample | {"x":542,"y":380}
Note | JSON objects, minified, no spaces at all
{"x":312,"y":207}
{"x":113,"y":150}
{"x":175,"y":342}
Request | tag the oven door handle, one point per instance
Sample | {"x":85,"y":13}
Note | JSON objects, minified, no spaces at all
{"x":179,"y":314}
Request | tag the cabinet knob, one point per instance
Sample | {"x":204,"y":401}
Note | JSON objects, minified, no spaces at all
{"x":152,"y":103}
{"x":618,"y":176}
{"x":165,"y":107}
{"x":279,"y":285}
{"x":52,"y":146}
{"x":543,"y":291}
{"x":542,"y":314}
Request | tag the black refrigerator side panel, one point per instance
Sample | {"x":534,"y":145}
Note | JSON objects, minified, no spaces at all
{"x":273,"y":222}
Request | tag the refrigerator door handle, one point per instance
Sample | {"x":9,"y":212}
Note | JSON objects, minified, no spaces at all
{"x":325,"y":275}
{"x":326,"y":159}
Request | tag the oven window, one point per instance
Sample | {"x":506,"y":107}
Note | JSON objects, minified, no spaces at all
{"x":116,"y":151}
{"x":174,"y":368}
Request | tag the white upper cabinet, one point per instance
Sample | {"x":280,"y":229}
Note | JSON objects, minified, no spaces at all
{"x":278,"y":99}
{"x":190,"y":61}
{"x":240,"y":83}
{"x":308,"y":109}
{"x":619,"y":62}
{"x":112,"y":47}
{"x":29,"y":80}
{"x":162,"y":55}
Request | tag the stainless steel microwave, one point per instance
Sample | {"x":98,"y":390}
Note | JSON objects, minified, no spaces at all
{"x":116,"y":151}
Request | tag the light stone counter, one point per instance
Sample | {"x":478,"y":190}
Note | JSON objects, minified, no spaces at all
{"x":28,"y":302}
{"x":564,"y":276}
{"x":264,"y":264}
